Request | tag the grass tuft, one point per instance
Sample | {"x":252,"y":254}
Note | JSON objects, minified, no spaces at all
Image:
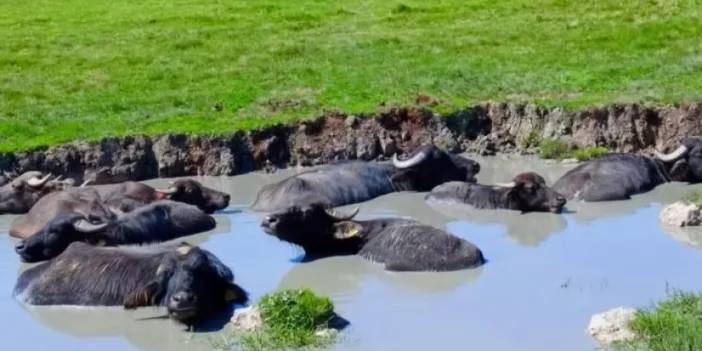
{"x":558,"y":150}
{"x":673,"y":324}
{"x":291,"y":320}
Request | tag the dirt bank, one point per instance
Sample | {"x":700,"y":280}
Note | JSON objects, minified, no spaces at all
{"x":486,"y":129}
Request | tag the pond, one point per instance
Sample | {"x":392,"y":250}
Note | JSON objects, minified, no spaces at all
{"x":546,"y":275}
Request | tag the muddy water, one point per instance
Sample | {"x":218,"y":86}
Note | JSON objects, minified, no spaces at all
{"x":545,"y":276}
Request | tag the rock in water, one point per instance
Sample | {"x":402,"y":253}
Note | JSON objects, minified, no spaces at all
{"x":612,"y":326}
{"x":247,"y":319}
{"x":681,"y":214}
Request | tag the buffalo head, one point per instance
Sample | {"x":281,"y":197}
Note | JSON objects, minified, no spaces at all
{"x":20,"y":194}
{"x":315,"y":228}
{"x":192,"y":192}
{"x":429,"y":166}
{"x":685,"y":162}
{"x":192,"y":284}
{"x":55,"y":237}
{"x":529,"y":192}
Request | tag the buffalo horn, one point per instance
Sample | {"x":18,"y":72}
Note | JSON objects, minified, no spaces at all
{"x":678,"y":153}
{"x":37,"y":182}
{"x":343,"y":217}
{"x":412,"y":161}
{"x":84,"y":226}
{"x":507,"y":185}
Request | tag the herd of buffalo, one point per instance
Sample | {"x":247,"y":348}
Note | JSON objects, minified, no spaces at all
{"x":106,"y":245}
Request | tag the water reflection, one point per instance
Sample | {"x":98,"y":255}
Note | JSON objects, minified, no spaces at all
{"x":145,"y":328}
{"x":343,"y":277}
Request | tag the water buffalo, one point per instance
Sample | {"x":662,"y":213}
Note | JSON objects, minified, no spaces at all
{"x":130,"y":195}
{"x":526,"y":193}
{"x":189,"y":281}
{"x":84,"y":201}
{"x":21,"y":193}
{"x":156,"y":222}
{"x":399,"y":244}
{"x":98,"y":203}
{"x":355,"y":181}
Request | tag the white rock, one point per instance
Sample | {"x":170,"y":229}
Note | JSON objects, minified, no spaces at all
{"x":611,"y":326}
{"x":569,"y":160}
{"x":681,"y":214}
{"x":247,"y":319}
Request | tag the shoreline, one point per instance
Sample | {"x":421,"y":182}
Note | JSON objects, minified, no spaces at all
{"x":485,"y":129}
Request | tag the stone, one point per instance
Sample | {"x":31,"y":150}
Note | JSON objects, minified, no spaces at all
{"x":247,"y":319}
{"x":681,"y":214}
{"x":612,"y":326}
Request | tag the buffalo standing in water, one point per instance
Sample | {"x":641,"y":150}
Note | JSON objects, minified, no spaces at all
{"x":21,"y":193}
{"x":399,"y":244}
{"x":528,"y":192}
{"x":190,"y":282}
{"x":157,"y":222}
{"x":618,"y":176}
{"x":356,"y":181}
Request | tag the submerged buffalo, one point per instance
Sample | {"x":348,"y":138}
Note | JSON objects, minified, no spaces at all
{"x":129,"y":195}
{"x":618,"y":176}
{"x":84,"y":201}
{"x":356,"y":181}
{"x":22,"y":192}
{"x":157,"y":222}
{"x":527,"y":192}
{"x":190,"y":282}
{"x":399,"y":244}
{"x":98,"y":203}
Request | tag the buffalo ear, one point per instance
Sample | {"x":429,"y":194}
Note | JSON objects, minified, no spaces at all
{"x":235,"y":294}
{"x":145,"y":296}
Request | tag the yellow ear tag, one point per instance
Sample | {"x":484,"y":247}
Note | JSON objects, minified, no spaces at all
{"x":184,"y":249}
{"x":347,"y":230}
{"x":230,"y":295}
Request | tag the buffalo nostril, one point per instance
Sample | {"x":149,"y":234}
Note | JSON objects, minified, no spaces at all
{"x":19,"y":247}
{"x":227,"y":198}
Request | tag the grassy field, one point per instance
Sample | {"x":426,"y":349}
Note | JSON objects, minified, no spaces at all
{"x":88,"y":69}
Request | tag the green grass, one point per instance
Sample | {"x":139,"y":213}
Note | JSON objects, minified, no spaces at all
{"x":89,"y":69}
{"x":291,"y":319}
{"x":559,"y":150}
{"x":674,"y":324}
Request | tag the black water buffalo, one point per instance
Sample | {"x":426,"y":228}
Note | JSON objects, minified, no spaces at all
{"x":190,"y":282}
{"x":84,"y":201}
{"x":527,"y":192}
{"x":130,"y":195}
{"x":156,"y":222}
{"x":21,"y":193}
{"x":400,"y":244}
{"x":618,"y":176}
{"x":355,"y":181}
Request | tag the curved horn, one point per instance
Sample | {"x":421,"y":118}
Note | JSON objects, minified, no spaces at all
{"x":678,"y":153}
{"x":342,"y":217}
{"x":36,"y":182}
{"x":85,"y":183}
{"x":168,"y":191}
{"x":506,"y":185}
{"x":412,"y":161}
{"x":84,"y":226}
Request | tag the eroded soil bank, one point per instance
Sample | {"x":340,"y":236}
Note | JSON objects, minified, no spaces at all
{"x":485,"y":129}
